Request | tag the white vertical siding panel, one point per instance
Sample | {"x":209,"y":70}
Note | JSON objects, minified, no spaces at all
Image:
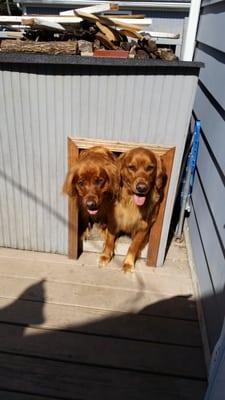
{"x":5,"y":167}
{"x":10,"y":157}
{"x":43,"y":133}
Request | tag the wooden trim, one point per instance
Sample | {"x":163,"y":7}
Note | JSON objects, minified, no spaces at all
{"x":119,"y":147}
{"x":72,"y":207}
{"x":167,"y":154}
{"x":155,"y":233}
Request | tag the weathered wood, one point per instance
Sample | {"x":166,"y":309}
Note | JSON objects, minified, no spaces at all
{"x":71,"y":381}
{"x":105,"y":41}
{"x":104,"y":277}
{"x":11,"y":35}
{"x":28,"y":46}
{"x":106,"y":31}
{"x":101,"y":322}
{"x":155,"y":232}
{"x":98,"y":8}
{"x":40,"y":23}
{"x":73,"y":240}
{"x":103,"y":298}
{"x":116,"y":146}
{"x":114,"y":352}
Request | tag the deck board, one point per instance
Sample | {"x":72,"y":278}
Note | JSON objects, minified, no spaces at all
{"x":69,"y":330}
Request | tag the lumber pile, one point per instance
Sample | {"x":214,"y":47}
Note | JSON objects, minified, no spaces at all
{"x":86,"y":32}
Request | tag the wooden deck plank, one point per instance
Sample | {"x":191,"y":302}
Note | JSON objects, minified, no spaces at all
{"x":104,"y":298}
{"x":69,"y":330}
{"x":107,"y":351}
{"x":70,"y":381}
{"x":176,"y":261}
{"x":101,"y":322}
{"x":10,"y":395}
{"x":92,"y":275}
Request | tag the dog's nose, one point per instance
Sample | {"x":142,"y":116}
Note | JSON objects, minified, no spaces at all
{"x":141,"y":188}
{"x":91,"y":205}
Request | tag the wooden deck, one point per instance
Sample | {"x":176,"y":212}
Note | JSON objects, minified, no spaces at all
{"x":70,"y":330}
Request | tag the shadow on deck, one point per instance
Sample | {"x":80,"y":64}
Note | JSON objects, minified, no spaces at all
{"x":155,"y":353}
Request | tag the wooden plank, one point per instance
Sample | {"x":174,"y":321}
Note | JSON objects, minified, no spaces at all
{"x":78,"y":381}
{"x":175,"y":264}
{"x":98,"y":8}
{"x":11,"y":35}
{"x":100,"y":322}
{"x":5,"y":20}
{"x":20,"y":395}
{"x":39,"y":23}
{"x":155,"y":232}
{"x":104,"y":351}
{"x":103,"y":298}
{"x":74,"y":243}
{"x":120,"y":147}
{"x":93,"y":275}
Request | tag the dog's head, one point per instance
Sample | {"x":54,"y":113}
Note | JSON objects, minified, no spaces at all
{"x":94,"y":179}
{"x":141,"y":172}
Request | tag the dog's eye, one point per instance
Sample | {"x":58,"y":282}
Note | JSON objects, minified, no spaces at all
{"x":132,"y":168}
{"x":80,"y":183}
{"x":149,"y":168}
{"x":99,"y":181}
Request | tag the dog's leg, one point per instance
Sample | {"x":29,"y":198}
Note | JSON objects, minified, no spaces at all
{"x":138,"y":241}
{"x":108,"y":249}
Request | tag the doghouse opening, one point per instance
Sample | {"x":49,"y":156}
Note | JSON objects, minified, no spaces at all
{"x":94,"y":243}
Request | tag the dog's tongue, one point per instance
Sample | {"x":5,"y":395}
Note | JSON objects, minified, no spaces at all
{"x":92,"y":212}
{"x":139,"y":200}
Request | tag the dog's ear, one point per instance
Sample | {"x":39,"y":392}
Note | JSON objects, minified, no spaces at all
{"x":121,"y":165}
{"x":161,"y":176}
{"x":69,"y":186}
{"x":113,"y":174}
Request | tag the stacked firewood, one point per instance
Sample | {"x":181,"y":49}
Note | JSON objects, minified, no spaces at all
{"x":84,"y":32}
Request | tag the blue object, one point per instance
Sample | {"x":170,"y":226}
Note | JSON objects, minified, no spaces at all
{"x":187,"y":184}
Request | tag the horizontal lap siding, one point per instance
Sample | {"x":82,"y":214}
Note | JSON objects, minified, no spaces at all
{"x":43,"y":105}
{"x":207,"y":221}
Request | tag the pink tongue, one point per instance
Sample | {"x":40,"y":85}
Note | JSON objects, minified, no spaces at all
{"x":139,"y":200}
{"x":92,"y":212}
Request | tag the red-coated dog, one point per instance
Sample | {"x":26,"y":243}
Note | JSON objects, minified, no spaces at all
{"x":94,"y":180}
{"x":143,"y":180}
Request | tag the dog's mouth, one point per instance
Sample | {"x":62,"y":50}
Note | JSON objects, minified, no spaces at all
{"x":92,"y":212}
{"x":139,"y":200}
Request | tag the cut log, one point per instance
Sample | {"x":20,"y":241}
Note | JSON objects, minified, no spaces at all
{"x":28,"y":46}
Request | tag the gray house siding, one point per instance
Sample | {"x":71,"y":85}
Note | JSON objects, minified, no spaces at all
{"x":207,"y":220}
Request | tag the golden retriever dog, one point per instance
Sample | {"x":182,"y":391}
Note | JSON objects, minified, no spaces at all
{"x":142,"y":184}
{"x":94,"y":181}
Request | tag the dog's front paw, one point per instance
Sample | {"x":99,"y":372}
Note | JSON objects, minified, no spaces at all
{"x":103,"y":260}
{"x":128,"y":264}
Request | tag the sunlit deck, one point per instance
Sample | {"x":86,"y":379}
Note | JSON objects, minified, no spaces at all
{"x":69,"y":330}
